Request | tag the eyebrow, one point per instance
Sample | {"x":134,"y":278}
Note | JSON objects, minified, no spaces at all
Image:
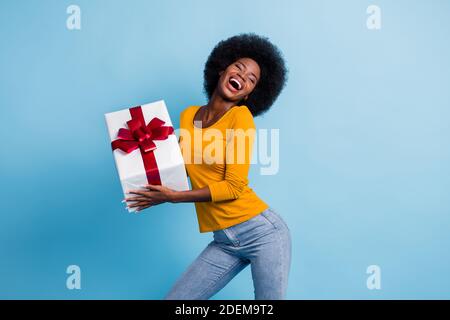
{"x":246,"y":69}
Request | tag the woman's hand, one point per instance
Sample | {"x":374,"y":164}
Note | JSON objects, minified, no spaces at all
{"x":154,"y":195}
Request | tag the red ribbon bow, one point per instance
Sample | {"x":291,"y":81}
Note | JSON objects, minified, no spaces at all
{"x":139,"y":135}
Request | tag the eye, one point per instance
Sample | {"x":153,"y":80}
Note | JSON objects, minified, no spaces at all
{"x":238,"y":66}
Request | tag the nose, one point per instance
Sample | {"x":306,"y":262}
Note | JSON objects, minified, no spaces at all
{"x":242,"y":77}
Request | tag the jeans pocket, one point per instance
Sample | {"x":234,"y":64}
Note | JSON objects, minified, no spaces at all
{"x":273,"y":217}
{"x":268,"y":216}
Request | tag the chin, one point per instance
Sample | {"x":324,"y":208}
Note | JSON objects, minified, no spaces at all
{"x":227,"y":95}
{"x":231,"y":98}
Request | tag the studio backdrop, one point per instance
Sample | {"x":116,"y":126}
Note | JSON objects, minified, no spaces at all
{"x":356,"y":153}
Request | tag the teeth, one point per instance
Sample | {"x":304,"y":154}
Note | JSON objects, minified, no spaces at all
{"x":238,"y":83}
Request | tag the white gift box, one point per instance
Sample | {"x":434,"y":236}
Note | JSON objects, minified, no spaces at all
{"x":130,"y":166}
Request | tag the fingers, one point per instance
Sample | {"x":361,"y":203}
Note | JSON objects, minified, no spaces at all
{"x":142,"y":208}
{"x":153,"y":187}
{"x":139,"y":198}
{"x":138,"y":204}
{"x":144,"y":199}
{"x":139,"y":192}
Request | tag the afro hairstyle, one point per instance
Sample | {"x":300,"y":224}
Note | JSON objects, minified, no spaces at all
{"x":269,"y":58}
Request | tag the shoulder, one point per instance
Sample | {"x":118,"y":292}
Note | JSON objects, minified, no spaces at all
{"x":241,"y":112}
{"x":190,"y":108}
{"x":187,"y":114}
{"x":242,"y":116}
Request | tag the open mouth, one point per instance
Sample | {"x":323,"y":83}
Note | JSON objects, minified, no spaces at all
{"x":235,"y":83}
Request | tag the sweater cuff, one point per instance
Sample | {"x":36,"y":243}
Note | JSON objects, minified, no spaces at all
{"x":219,"y":191}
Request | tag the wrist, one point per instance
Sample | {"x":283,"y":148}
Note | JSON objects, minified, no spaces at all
{"x":173,"y":197}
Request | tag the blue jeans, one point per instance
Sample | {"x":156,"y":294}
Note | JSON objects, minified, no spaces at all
{"x":263,"y":241}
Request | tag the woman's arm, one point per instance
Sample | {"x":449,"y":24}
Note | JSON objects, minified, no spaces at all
{"x":197,"y":195}
{"x":157,"y":194}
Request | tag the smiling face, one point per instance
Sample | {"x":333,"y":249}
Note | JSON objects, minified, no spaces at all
{"x":239,"y":79}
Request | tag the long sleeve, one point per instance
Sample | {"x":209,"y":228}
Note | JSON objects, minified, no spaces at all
{"x":239,"y":146}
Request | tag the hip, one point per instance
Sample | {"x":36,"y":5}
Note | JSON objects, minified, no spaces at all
{"x":267,"y":223}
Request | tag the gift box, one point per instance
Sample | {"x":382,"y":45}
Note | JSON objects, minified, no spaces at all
{"x":145,"y":148}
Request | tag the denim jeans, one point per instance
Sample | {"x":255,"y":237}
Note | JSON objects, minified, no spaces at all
{"x":263,"y":241}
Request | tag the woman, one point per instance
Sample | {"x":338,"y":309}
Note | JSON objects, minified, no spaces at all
{"x":243,"y":77}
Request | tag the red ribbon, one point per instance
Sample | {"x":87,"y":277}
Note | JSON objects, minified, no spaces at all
{"x":139,"y":135}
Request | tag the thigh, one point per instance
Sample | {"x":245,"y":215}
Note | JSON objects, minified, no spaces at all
{"x":207,"y":275}
{"x":270,"y":262}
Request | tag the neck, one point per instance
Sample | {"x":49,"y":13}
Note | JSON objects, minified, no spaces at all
{"x":218,"y":104}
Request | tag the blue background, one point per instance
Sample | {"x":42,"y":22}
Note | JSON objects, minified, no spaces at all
{"x":364,"y":155}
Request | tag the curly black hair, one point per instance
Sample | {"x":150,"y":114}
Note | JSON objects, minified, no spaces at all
{"x":269,"y":58}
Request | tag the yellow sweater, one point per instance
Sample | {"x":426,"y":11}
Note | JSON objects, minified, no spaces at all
{"x":219,"y":158}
